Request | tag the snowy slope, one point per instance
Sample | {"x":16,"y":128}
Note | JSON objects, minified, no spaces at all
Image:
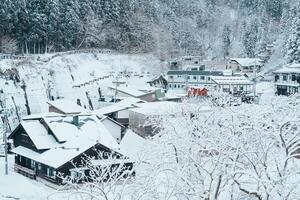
{"x":71,"y":76}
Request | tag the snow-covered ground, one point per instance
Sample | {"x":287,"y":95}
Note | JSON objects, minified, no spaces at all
{"x":73,"y":76}
{"x":16,"y":186}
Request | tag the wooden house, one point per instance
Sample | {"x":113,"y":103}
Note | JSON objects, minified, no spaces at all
{"x":159,"y":82}
{"x":50,"y":144}
{"x":287,"y":80}
{"x":244,"y":65}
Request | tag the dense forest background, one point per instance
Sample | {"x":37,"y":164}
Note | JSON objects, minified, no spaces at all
{"x":212,"y":28}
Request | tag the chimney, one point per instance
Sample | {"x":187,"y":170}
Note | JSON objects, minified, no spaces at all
{"x":76,"y":120}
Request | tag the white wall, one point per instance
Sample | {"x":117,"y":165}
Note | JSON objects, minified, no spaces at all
{"x":123,"y":114}
{"x":113,"y":128}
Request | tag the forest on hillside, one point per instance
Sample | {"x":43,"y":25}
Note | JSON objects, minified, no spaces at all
{"x":215,"y":29}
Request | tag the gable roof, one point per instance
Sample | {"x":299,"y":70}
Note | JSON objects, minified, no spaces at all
{"x":39,"y":134}
{"x":66,"y":106}
{"x":76,"y":139}
{"x":247,"y":61}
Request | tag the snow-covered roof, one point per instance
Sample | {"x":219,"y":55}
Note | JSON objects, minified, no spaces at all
{"x":156,"y":108}
{"x":236,"y":80}
{"x":41,"y":115}
{"x":66,"y":106}
{"x":132,"y":144}
{"x":39,"y":134}
{"x":247,"y":61}
{"x":77,"y":138}
{"x":154,"y":78}
{"x":292,"y":68}
{"x":129,"y":90}
{"x":126,"y":103}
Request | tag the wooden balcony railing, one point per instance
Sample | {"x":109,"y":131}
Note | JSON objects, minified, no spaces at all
{"x":25,"y":171}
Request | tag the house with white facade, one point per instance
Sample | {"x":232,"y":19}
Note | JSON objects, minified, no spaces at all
{"x":235,"y":85}
{"x":181,"y":79}
{"x":287,"y":80}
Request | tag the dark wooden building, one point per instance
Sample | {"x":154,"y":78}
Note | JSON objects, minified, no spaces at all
{"x":46,"y":146}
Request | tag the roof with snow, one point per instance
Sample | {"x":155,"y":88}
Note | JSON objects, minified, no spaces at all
{"x":155,"y":78}
{"x":292,"y":68}
{"x":129,"y":90}
{"x":63,"y":139}
{"x":190,"y":72}
{"x":235,"y":80}
{"x":66,"y":106}
{"x":247,"y":61}
{"x":160,"y":108}
{"x":132,"y":144}
{"x":129,"y":102}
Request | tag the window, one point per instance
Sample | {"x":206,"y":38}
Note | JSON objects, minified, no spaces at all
{"x":188,"y":77}
{"x":170,"y":85}
{"x":175,"y":86}
{"x":51,"y":172}
{"x":284,"y":78}
{"x":171,"y":77}
{"x":32,"y":164}
{"x":208,"y":78}
{"x":276,"y":78}
{"x":241,"y":88}
{"x":202,"y":78}
{"x":182,"y":86}
{"x":293,"y":77}
{"x":195,"y":77}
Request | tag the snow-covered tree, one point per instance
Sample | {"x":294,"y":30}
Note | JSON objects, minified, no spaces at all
{"x":294,"y":37}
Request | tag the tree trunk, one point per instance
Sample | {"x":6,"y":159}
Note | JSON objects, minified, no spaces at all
{"x":26,"y":99}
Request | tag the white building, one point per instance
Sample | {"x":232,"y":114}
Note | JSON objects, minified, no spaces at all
{"x":287,"y":80}
{"x":181,"y":79}
{"x":233,"y":84}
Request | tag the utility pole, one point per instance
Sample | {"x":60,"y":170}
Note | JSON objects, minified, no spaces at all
{"x":254,"y":83}
{"x":116,"y":87}
{"x":5,"y":143}
{"x":5,"y":123}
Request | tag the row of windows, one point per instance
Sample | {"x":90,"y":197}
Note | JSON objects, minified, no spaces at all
{"x":191,"y":77}
{"x":285,"y":78}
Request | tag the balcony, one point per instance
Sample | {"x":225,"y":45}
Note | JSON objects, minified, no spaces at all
{"x":24,"y":171}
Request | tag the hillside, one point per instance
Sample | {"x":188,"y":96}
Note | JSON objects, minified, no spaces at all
{"x":72,"y":76}
{"x":212,"y":28}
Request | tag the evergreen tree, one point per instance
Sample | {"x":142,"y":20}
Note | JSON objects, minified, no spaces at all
{"x":226,"y":40}
{"x":294,"y":39}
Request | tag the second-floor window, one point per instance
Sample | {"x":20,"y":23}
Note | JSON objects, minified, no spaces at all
{"x":276,"y":78}
{"x":284,"y":78}
{"x":293,"y":77}
{"x":202,"y":77}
